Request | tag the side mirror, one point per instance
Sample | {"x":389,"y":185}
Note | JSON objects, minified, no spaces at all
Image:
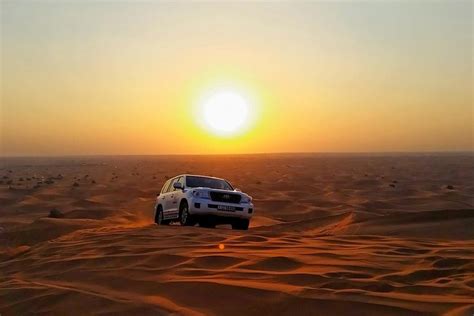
{"x":238,"y":190}
{"x":178,"y":185}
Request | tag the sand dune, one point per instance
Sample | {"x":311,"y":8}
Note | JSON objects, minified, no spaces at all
{"x":349,"y":235}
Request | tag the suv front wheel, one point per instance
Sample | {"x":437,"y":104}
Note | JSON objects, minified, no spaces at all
{"x":185,"y":218}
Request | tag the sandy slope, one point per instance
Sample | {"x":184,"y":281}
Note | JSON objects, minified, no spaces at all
{"x":351,"y":235}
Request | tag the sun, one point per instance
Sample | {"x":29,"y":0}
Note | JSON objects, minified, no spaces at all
{"x":225,"y":113}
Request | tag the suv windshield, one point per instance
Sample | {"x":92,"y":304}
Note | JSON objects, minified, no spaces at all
{"x":195,"y":182}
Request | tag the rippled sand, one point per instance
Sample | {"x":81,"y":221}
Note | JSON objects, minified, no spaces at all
{"x":333,"y":234}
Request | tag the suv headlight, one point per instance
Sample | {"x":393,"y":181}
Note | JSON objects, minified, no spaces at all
{"x":246,"y":199}
{"x":201,"y":194}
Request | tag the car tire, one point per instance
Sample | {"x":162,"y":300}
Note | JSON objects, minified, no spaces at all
{"x":207,"y":222}
{"x":159,"y":217}
{"x":185,"y":218}
{"x":241,"y":224}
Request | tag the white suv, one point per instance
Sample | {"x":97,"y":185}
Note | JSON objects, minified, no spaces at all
{"x":209,"y":201}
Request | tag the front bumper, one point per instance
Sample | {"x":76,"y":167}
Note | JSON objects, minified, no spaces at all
{"x":199,"y":206}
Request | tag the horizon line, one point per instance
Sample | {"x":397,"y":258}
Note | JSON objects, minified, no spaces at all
{"x":244,"y":154}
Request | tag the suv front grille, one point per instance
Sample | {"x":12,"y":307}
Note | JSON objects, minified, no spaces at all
{"x":225,"y":197}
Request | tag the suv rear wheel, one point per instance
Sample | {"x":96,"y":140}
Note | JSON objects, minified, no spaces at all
{"x":159,"y":217}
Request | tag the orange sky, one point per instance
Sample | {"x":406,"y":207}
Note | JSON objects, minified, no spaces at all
{"x":125,"y":78}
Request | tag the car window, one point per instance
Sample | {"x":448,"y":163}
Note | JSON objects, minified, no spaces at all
{"x":165,"y":186}
{"x":167,"y":189}
{"x":170,"y":188}
{"x":181,"y":180}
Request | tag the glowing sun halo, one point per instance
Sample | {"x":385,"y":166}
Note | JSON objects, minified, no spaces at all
{"x":225,"y":113}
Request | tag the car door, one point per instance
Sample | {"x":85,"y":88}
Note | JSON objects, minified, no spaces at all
{"x":170,"y":208}
{"x":175,"y":197}
{"x":165,"y":198}
{"x":161,"y":197}
{"x":178,"y":194}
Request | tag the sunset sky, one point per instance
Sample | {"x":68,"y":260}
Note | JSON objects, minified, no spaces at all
{"x":133,"y":77}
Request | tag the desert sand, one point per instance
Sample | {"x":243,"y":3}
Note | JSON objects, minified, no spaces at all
{"x":332,"y":235}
